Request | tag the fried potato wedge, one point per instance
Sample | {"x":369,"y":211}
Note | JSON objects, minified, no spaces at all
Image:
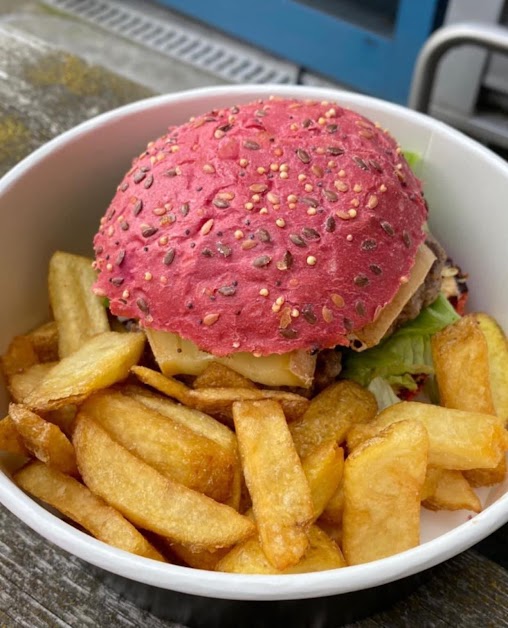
{"x":217,"y":375}
{"x":461,"y":361}
{"x":383,"y":479}
{"x":176,"y":356}
{"x":334,"y":509}
{"x":218,"y":401}
{"x":148,"y":499}
{"x":281,"y":497}
{"x":487,"y":477}
{"x":10,"y":440}
{"x":330,"y":415}
{"x":498,"y":361}
{"x":19,"y":356}
{"x":22,"y":384}
{"x":323,"y":469}
{"x":199,"y":559}
{"x":174,"y":450}
{"x":458,"y":440}
{"x":432,"y":477}
{"x":453,"y":492}
{"x":76,"y":502}
{"x":44,"y":340}
{"x":102,"y":361}
{"x":79,"y":314}
{"x":45,"y":440}
{"x":248,"y":557}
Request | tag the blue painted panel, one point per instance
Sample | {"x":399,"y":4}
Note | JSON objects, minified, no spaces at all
{"x":366,"y":61}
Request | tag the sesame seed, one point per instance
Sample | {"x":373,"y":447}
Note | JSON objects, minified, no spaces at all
{"x":207,"y":227}
{"x":292,"y":205}
{"x":337,"y":300}
{"x":321,"y":121}
{"x":249,"y":205}
{"x":349,"y":237}
{"x":280,"y":300}
{"x":148,"y":276}
{"x":283,"y":175}
{"x":243,"y":163}
{"x":175,"y":148}
{"x":238,"y":234}
{"x":357,"y":187}
{"x":332,"y":163}
{"x":126,"y":294}
{"x":208,"y":169}
{"x":308,"y":187}
{"x":292,"y":198}
{"x":263,"y":210}
{"x":273,"y":198}
{"x":341,"y":186}
{"x":404,"y":279}
{"x":331,"y":113}
{"x":295,"y":313}
{"x":293,"y":127}
{"x":263,"y":292}
{"x":159,"y":211}
{"x":278,"y":152}
{"x":302,"y":177}
{"x":109,"y":266}
{"x":163,"y":240}
{"x":343,"y":215}
{"x":262,"y":261}
{"x":261,"y":170}
{"x":372,"y":202}
{"x":312,"y":211}
{"x":342,"y":173}
{"x":355,"y":202}
{"x":255,"y":198}
{"x":210,"y":319}
{"x":274,"y":167}
{"x":311,"y":260}
{"x":284,"y":167}
{"x":280,"y":222}
{"x":382,"y":188}
{"x":327,"y":314}
{"x":169,"y":257}
{"x":275,"y":308}
{"x":236,"y":345}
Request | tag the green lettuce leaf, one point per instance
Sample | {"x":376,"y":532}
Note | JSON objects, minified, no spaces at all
{"x":406,"y":352}
{"x":413,"y":159}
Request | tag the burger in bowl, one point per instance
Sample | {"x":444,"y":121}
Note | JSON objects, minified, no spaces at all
{"x":272,"y":236}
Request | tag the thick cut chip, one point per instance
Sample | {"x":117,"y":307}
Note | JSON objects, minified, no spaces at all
{"x":10,"y":440}
{"x":383,"y":479}
{"x":218,"y":401}
{"x":148,"y":499}
{"x":281,"y":497}
{"x":44,"y":340}
{"x":199,"y":559}
{"x":453,"y":492}
{"x":216,"y":375}
{"x":249,"y":558}
{"x":331,"y":414}
{"x":75,"y":501}
{"x":323,"y":469}
{"x":498,"y":361}
{"x":432,"y":478}
{"x":22,"y":384}
{"x":458,"y":439}
{"x":461,"y":362}
{"x":487,"y":477}
{"x":78,"y":312}
{"x":334,"y":509}
{"x":333,"y":530}
{"x":45,"y":440}
{"x":19,"y":356}
{"x":168,"y":446}
{"x":177,"y":356}
{"x":102,"y":361}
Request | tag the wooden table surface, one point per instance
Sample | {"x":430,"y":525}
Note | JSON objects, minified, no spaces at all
{"x":42,"y":93}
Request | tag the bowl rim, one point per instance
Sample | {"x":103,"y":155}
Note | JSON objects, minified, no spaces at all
{"x":238,"y":586}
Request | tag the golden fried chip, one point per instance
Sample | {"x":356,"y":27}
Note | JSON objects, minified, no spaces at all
{"x":330,"y":415}
{"x":22,"y":384}
{"x":91,"y":512}
{"x":174,"y":450}
{"x":487,"y":477}
{"x":453,"y":492}
{"x":334,"y":509}
{"x":102,"y":361}
{"x":44,"y":340}
{"x":45,"y":440}
{"x":218,"y":401}
{"x":19,"y":356}
{"x":323,"y":469}
{"x":79,"y":314}
{"x":281,"y":497}
{"x":458,"y":440}
{"x":10,"y":440}
{"x":461,"y":362}
{"x":216,"y":375}
{"x":248,"y":557}
{"x":199,"y":559}
{"x":150,"y":500}
{"x":383,"y":479}
{"x":498,"y":361}
{"x":432,"y":478}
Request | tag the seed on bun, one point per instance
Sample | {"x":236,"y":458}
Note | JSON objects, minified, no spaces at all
{"x":263,"y":228}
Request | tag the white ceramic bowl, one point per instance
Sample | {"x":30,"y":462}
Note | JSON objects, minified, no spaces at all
{"x":54,"y":199}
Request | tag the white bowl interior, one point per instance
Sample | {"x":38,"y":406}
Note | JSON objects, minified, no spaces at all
{"x":55,"y":199}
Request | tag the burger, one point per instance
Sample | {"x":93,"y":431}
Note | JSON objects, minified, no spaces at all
{"x":271,"y":236}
